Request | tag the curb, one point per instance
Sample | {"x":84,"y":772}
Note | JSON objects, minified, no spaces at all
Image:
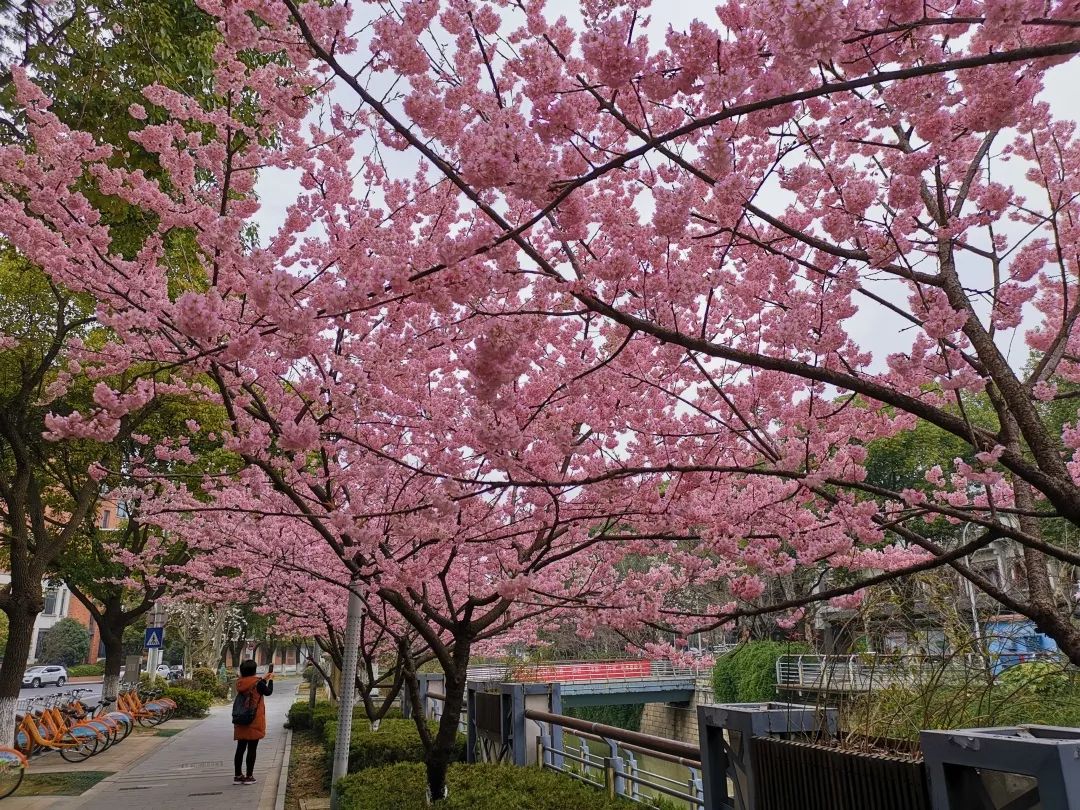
{"x":283,"y":777}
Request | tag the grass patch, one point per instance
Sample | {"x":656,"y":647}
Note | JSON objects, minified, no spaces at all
{"x":67,"y":783}
{"x":308,"y":776}
{"x":167,"y":732}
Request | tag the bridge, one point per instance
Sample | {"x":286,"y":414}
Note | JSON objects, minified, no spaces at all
{"x":604,"y":683}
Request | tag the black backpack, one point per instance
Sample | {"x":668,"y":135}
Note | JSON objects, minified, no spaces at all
{"x":244,"y":707}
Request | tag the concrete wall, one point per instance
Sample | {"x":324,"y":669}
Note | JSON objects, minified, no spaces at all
{"x":675,"y":722}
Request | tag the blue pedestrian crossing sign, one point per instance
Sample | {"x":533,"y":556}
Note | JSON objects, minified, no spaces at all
{"x":154,"y":638}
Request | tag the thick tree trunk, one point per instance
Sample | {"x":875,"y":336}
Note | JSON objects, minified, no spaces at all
{"x":437,"y":760}
{"x":1049,"y":616}
{"x":114,"y":660}
{"x":21,"y":613}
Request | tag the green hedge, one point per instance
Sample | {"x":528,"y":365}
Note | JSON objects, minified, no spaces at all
{"x":473,"y":787}
{"x":302,"y":717}
{"x":395,"y":741}
{"x":747,"y":674}
{"x":325,"y":712}
{"x":299,"y":717}
{"x":208,"y":681}
{"x":85,"y":670}
{"x":190,"y":702}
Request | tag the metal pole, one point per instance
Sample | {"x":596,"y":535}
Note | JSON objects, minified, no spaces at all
{"x":971,"y":596}
{"x":347,"y":696}
{"x":314,"y":688}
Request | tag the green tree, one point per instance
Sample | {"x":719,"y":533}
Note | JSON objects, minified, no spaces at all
{"x":89,"y":566}
{"x":67,"y":642}
{"x":92,"y":73}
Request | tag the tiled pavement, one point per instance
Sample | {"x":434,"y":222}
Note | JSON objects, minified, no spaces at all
{"x":193,"y":770}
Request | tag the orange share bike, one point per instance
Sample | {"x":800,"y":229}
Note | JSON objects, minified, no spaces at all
{"x":47,"y":729}
{"x":12,"y":770}
{"x":153,"y":712}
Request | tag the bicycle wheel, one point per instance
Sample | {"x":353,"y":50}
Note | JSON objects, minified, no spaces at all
{"x":12,"y":771}
{"x":106,"y":735}
{"x":78,"y":745}
{"x":125,"y":722}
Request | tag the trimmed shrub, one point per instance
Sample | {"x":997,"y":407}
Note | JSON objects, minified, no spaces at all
{"x":299,"y":717}
{"x":190,"y":702}
{"x":473,"y":787}
{"x":208,"y":681}
{"x":747,"y":674}
{"x":395,"y":741}
{"x":85,"y":670}
{"x":325,"y":712}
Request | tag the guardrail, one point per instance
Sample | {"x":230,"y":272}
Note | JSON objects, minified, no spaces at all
{"x":578,"y":671}
{"x":864,"y":671}
{"x":438,"y":700}
{"x":620,"y":772}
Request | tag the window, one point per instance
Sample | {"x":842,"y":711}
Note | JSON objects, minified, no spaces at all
{"x":50,"y":600}
{"x":106,"y":518}
{"x":39,"y":648}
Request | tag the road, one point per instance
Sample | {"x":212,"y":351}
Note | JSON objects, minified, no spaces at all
{"x":45,"y":691}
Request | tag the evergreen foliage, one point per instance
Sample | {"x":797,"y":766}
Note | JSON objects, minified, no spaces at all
{"x":67,"y":642}
{"x":747,"y":674}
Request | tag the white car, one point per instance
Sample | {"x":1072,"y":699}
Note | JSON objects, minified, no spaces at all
{"x":42,"y":675}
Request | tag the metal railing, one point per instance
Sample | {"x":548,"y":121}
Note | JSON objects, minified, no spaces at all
{"x":865,"y":671}
{"x":619,"y":771}
{"x":438,"y":700}
{"x":624,"y":669}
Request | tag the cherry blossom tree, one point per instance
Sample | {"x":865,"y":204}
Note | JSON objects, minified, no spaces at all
{"x":567,"y":314}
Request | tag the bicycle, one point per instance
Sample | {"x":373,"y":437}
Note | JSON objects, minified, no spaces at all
{"x":119,"y":723}
{"x":151,"y":713}
{"x":40,"y":731}
{"x":13,"y":767}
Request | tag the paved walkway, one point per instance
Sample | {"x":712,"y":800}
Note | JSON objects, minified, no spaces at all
{"x":194,"y":770}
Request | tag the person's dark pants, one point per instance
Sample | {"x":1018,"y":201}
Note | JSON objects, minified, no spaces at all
{"x":250,"y":746}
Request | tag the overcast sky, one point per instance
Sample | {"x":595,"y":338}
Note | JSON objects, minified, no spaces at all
{"x":877,"y":331}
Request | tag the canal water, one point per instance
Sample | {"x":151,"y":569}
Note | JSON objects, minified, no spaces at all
{"x":659,"y":767}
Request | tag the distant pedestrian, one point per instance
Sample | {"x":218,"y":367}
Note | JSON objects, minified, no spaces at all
{"x":249,"y":718}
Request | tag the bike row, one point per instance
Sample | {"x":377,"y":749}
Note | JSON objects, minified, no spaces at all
{"x":78,"y":731}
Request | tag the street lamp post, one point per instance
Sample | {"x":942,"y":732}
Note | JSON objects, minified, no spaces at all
{"x":347,"y":695}
{"x":1009,"y":521}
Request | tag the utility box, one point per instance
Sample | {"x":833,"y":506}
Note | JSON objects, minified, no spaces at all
{"x":725,"y":731}
{"x":1014,"y":767}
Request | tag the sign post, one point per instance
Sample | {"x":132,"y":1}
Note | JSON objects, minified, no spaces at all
{"x":154,"y":640}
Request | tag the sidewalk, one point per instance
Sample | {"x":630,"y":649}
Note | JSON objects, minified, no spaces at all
{"x":194,"y":769}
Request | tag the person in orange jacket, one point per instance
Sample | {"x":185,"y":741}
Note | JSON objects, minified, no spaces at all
{"x":247,"y":735}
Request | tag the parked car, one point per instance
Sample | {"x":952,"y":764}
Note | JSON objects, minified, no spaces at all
{"x":42,"y":675}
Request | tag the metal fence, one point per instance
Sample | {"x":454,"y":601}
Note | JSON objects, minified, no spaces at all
{"x":866,"y":671}
{"x":437,"y":701}
{"x":577,"y":671}
{"x":791,"y":775}
{"x":619,"y":770}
